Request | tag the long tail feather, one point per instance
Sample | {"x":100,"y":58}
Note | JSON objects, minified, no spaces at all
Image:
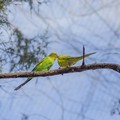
{"x":80,"y":58}
{"x":88,"y":55}
{"x":17,"y":88}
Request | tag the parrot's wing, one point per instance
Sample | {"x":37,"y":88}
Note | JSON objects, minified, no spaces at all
{"x":38,"y":64}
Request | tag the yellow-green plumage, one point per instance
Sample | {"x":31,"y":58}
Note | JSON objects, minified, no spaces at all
{"x":67,"y":61}
{"x":44,"y":65}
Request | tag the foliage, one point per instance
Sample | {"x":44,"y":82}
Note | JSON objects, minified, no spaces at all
{"x":26,"y":52}
{"x":19,"y":52}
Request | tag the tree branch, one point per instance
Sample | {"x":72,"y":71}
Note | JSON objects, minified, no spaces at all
{"x":115,"y":67}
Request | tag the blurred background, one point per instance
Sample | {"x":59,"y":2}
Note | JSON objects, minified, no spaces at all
{"x":32,"y":29}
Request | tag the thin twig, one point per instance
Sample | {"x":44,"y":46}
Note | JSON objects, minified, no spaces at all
{"x":83,"y":62}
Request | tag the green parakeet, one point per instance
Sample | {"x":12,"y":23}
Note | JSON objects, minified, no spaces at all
{"x":44,"y":65}
{"x":67,"y":61}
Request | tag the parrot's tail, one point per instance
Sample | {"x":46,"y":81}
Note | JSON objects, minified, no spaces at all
{"x":75,"y":59}
{"x":23,"y":83}
{"x":89,"y":54}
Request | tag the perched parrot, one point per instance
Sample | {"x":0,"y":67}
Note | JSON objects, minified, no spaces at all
{"x":44,"y":65}
{"x":67,"y":61}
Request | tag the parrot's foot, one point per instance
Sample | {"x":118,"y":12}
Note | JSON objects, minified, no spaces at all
{"x":60,"y":68}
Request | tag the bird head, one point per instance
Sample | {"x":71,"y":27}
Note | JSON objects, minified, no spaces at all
{"x":53,"y":54}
